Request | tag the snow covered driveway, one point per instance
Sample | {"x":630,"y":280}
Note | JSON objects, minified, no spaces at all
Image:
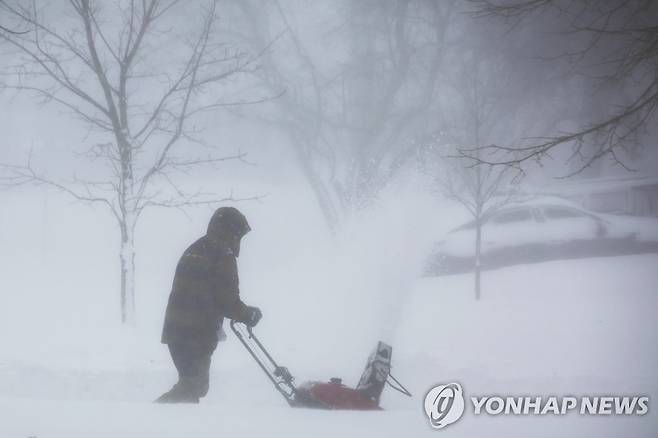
{"x":583,"y":327}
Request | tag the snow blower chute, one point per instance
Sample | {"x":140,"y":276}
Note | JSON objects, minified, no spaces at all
{"x":325,"y":395}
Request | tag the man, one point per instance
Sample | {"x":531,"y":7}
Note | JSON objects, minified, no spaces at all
{"x":205,"y":291}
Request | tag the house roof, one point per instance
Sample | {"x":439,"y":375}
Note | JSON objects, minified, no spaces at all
{"x":596,"y":185}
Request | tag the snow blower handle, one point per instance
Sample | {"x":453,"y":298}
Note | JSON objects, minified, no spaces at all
{"x":278,"y":375}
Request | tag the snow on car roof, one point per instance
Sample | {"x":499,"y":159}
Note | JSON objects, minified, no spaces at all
{"x":530,"y":201}
{"x":541,"y":200}
{"x":537,"y":201}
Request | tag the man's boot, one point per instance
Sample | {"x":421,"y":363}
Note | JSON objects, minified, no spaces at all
{"x":180,"y":393}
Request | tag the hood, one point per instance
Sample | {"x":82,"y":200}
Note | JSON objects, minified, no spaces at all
{"x":227,"y":227}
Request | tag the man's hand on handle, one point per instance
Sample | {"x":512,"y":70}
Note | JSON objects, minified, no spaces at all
{"x":253,"y":315}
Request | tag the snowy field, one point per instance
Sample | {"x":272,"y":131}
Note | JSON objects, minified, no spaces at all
{"x":584,"y":327}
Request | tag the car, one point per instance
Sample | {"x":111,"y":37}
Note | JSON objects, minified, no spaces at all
{"x":542,"y":229}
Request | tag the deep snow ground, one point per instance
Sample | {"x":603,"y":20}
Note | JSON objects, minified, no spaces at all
{"x":568,"y":327}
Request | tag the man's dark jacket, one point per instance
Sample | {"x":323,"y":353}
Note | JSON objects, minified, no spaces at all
{"x":205,"y":291}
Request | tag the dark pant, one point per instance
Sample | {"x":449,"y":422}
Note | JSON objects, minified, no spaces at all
{"x":192,"y":360}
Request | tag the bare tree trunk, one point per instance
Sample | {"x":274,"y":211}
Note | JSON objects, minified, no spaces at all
{"x":478,"y":246}
{"x":127,"y":258}
{"x":479,"y":202}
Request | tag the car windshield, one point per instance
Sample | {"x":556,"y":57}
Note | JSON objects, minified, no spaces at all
{"x":561,"y":213}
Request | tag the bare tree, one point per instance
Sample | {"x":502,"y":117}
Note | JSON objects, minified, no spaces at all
{"x":480,"y":109}
{"x":350,"y":108}
{"x":107,"y":67}
{"x":617,"y":43}
{"x":481,"y":189}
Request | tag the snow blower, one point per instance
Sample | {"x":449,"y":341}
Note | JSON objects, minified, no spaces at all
{"x":325,"y":395}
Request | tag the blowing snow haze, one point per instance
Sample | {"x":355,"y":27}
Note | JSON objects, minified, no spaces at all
{"x":472,"y":183}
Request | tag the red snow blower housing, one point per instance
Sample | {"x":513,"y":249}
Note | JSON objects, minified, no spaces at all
{"x":325,"y":395}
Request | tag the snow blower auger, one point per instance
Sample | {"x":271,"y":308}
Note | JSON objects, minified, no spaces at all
{"x":325,"y":395}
